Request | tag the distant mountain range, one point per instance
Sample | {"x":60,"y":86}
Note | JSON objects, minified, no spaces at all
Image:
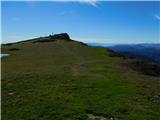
{"x":149,"y":52}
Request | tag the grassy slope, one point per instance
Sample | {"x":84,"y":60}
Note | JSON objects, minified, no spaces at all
{"x":66,"y":81}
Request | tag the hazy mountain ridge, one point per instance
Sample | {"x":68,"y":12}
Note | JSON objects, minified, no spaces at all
{"x":143,"y":51}
{"x":149,"y":52}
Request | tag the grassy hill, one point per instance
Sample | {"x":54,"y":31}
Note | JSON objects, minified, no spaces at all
{"x":67,"y":80}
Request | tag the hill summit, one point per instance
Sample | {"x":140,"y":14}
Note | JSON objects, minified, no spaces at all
{"x":49,"y":38}
{"x":52,"y":38}
{"x":61,"y":36}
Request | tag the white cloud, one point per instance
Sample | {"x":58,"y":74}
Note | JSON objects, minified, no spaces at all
{"x":157,"y":16}
{"x":90,"y":2}
{"x":32,"y":3}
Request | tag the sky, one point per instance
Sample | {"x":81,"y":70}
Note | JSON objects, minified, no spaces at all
{"x":86,"y":21}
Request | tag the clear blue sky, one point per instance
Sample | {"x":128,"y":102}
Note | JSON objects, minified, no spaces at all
{"x":90,"y":21}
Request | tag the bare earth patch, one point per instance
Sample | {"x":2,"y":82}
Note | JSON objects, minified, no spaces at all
{"x":99,"y":117}
{"x":95,"y":117}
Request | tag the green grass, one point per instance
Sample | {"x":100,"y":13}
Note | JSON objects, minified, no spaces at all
{"x":66,"y":81}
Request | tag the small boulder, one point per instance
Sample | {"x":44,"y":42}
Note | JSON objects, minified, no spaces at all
{"x":63,"y":36}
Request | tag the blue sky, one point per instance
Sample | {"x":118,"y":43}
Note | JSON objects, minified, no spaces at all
{"x":87,"y":21}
